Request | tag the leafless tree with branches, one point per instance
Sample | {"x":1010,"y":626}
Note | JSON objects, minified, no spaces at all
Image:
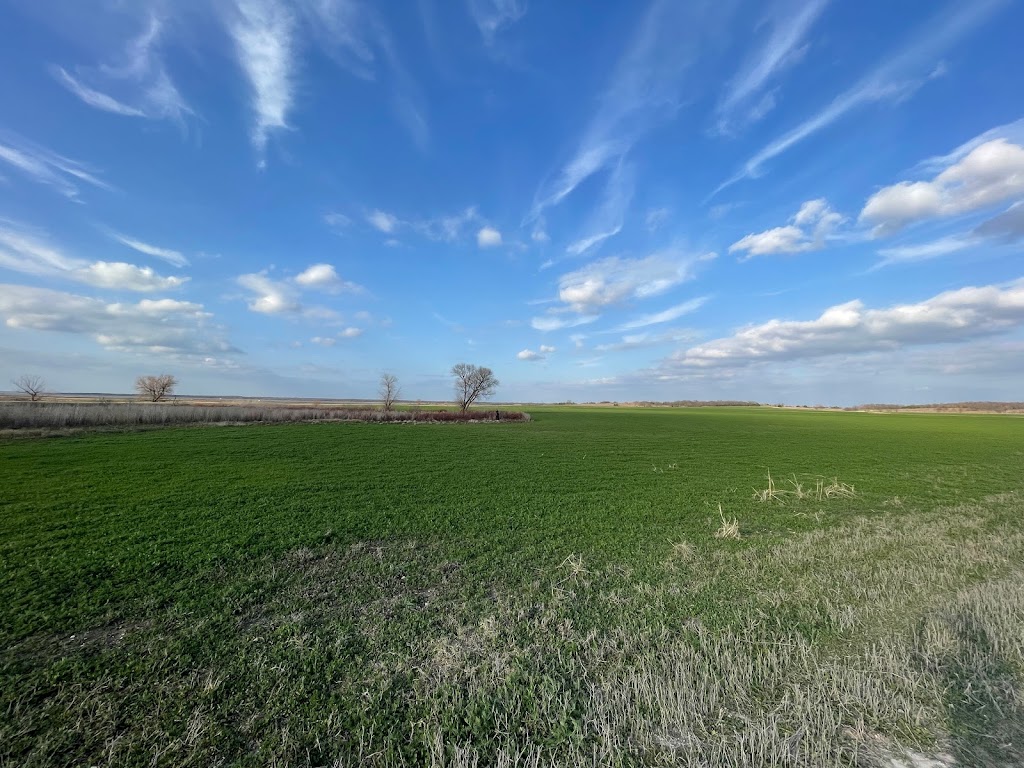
{"x":31,"y":385}
{"x":472,"y":383}
{"x":389,"y":390}
{"x":156,"y":388}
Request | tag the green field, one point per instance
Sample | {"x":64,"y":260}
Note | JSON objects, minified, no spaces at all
{"x":546,"y":593}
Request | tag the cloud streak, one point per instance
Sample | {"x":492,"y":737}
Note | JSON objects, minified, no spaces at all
{"x":46,"y":167}
{"x":790,"y":20}
{"x":263,"y":34}
{"x":894,"y":79}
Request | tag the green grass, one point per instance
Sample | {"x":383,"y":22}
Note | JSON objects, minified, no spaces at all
{"x":407,"y":594}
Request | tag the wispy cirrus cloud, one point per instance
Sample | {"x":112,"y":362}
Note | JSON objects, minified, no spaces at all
{"x":607,"y":220}
{"x":646,"y":88}
{"x":263,"y":32}
{"x":29,"y":254}
{"x":354,"y":34}
{"x":140,"y":76}
{"x":895,"y":79}
{"x":745,"y":99}
{"x":665,"y":316}
{"x":172,"y":257}
{"x":46,"y":167}
{"x":492,"y":16}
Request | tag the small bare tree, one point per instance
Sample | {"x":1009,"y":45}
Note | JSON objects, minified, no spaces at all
{"x":472,"y":383}
{"x":33,"y":386}
{"x":155,"y":388}
{"x":389,"y":390}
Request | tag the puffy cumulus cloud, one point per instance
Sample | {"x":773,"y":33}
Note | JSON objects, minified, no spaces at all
{"x":324,"y":341}
{"x":990,"y":173}
{"x":615,"y":280}
{"x":162,"y":326}
{"x":269,"y":297}
{"x":351,"y":333}
{"x":808,"y":230}
{"x":488,"y":237}
{"x":325,"y":277}
{"x":547,"y":350}
{"x":31,"y":255}
{"x":118,"y":275}
{"x":283,"y":297}
{"x":960,"y":315}
{"x":529,"y":355}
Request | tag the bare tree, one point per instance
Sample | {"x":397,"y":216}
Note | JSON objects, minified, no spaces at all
{"x":389,"y":390}
{"x":156,"y":388}
{"x":33,"y":386}
{"x":472,"y":383}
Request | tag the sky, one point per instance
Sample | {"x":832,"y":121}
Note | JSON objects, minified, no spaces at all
{"x":787,"y":201}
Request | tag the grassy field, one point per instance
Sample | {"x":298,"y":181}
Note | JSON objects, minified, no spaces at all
{"x":543,"y":593}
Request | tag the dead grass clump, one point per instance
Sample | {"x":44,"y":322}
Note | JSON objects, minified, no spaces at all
{"x":729,"y":529}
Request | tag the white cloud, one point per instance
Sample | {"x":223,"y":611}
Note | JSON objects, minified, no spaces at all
{"x":960,"y":315}
{"x":545,"y":349}
{"x":1007,"y":226}
{"x":790,"y":22}
{"x":325,"y":278}
{"x":175,"y":258}
{"x":608,"y":218}
{"x":28,"y":254}
{"x":488,"y":237}
{"x":491,"y":16}
{"x":324,"y":341}
{"x":896,"y":78}
{"x":262,"y":31}
{"x":385,"y":222}
{"x":94,"y":98}
{"x":646,"y":88}
{"x":46,"y":167}
{"x":557,"y":323}
{"x":164,"y":326}
{"x":655,"y":218}
{"x":271,"y":297}
{"x":646,"y":340}
{"x":138,"y":72}
{"x":665,"y":316}
{"x":118,"y":275}
{"x":529,"y":355}
{"x":351,"y":333}
{"x":337,"y":220}
{"x":989,"y":174}
{"x":809,"y":230}
{"x":615,"y":280}
{"x":923,"y":251}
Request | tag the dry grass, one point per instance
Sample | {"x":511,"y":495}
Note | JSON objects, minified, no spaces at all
{"x":62,"y":416}
{"x":824,"y":489}
{"x":729,"y":529}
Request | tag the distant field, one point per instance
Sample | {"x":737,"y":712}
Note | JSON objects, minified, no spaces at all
{"x":542,"y":593}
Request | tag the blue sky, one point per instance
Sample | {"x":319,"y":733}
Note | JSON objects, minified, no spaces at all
{"x":800,"y":202}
